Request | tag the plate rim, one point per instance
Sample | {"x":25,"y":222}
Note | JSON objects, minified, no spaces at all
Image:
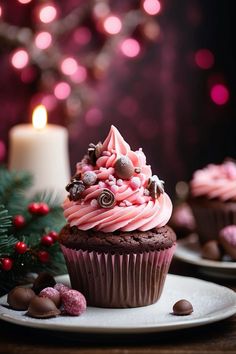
{"x":200,"y":261}
{"x":219,"y":315}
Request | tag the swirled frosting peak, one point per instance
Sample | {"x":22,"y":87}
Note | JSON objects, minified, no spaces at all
{"x":113,"y":189}
{"x":215,"y":181}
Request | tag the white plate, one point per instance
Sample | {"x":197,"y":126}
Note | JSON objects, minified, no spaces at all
{"x":188,"y":250}
{"x":211,"y":303}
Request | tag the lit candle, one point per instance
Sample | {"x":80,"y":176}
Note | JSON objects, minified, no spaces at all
{"x":42,"y":150}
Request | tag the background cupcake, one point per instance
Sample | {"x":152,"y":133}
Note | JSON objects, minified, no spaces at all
{"x":116,"y":245}
{"x":213,"y":199}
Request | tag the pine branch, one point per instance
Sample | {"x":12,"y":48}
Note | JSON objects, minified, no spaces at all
{"x":12,"y":190}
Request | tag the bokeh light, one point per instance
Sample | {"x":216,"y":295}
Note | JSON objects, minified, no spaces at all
{"x":112,"y":25}
{"x":204,"y":59}
{"x":69,"y":66}
{"x":47,"y":13}
{"x":219,"y":94}
{"x":49,"y":101}
{"x":0,"y":10}
{"x":2,"y":150}
{"x":62,"y":90}
{"x":43,"y":40}
{"x":130,"y":47}
{"x":80,"y":74}
{"x":94,"y":117}
{"x":152,"y":7}
{"x":101,"y":10}
{"x":20,"y":59}
{"x":24,"y":1}
{"x":82,"y":35}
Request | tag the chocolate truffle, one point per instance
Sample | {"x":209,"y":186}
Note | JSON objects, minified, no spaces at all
{"x":210,"y":250}
{"x":124,"y":168}
{"x":42,"y":307}
{"x":43,"y":280}
{"x":52,"y":294}
{"x":19,"y":298}
{"x":182,"y":308}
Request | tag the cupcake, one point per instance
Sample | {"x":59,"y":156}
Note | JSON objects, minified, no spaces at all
{"x":213,"y":199}
{"x":116,"y":243}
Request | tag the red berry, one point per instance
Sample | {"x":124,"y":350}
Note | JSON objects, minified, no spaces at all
{"x":21,"y":247}
{"x":43,"y":256}
{"x":43,"y":209}
{"x":33,"y":208}
{"x":47,"y":240}
{"x":7,"y":264}
{"x":54,"y":235}
{"x":18,"y":221}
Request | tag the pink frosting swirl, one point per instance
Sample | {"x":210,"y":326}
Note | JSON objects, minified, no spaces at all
{"x":215,"y":181}
{"x":134,"y":209}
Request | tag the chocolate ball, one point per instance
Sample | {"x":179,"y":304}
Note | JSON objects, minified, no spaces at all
{"x":124,"y":167}
{"x":42,"y":307}
{"x":52,"y":294}
{"x":43,"y":281}
{"x":89,"y":178}
{"x":19,"y":298}
{"x":211,"y":250}
{"x":182,"y":308}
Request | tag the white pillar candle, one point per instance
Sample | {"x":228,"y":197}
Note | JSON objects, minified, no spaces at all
{"x":42,"y":150}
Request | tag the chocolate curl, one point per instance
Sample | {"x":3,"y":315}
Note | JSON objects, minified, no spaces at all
{"x":106,"y":199}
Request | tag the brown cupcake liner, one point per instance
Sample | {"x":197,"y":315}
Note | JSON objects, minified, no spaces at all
{"x":116,"y":280}
{"x":209,"y":221}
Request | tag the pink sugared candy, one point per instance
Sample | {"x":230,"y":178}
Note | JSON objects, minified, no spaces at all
{"x":51,"y":294}
{"x":61,"y":288}
{"x":74,"y":302}
{"x":227,"y":238}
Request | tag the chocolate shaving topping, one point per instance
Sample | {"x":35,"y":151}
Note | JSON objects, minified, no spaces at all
{"x":75,"y":189}
{"x":155,"y":186}
{"x":106,"y":199}
{"x":94,"y":152}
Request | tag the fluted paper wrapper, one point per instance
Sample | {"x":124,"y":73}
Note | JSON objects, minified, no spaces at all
{"x":209,"y":221}
{"x":114,"y":280}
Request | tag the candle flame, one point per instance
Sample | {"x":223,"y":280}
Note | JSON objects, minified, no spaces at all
{"x":39,"y":118}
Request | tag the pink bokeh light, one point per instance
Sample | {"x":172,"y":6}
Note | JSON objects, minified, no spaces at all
{"x":50,"y":102}
{"x":62,"y":90}
{"x":47,"y":13}
{"x":130,"y":47}
{"x":80,"y":75}
{"x":82,"y":35}
{"x":219,"y":94}
{"x":94,"y":117}
{"x":112,"y":25}
{"x":20,"y":59}
{"x":204,"y":59}
{"x":152,"y":7}
{"x":43,"y":40}
{"x":69,"y":66}
{"x":0,"y":10}
{"x":24,"y":1}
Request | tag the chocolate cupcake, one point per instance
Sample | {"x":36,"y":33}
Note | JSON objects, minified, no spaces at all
{"x":116,"y":245}
{"x":213,"y":199}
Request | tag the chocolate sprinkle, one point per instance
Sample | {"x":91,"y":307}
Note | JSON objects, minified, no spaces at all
{"x":106,"y":199}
